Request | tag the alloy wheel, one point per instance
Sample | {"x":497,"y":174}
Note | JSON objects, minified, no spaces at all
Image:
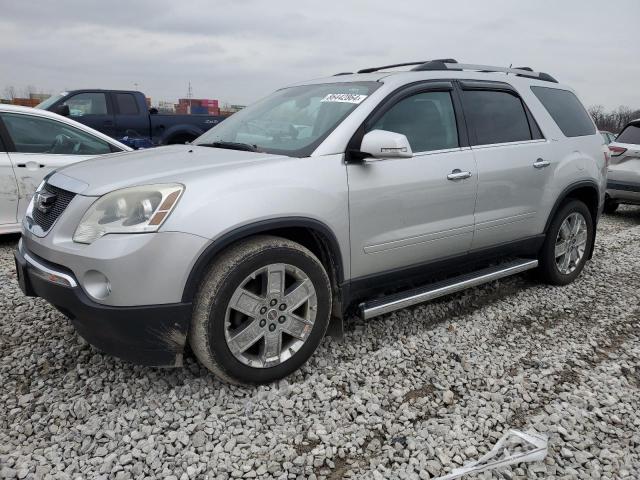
{"x":571,"y":243}
{"x":270,"y":315}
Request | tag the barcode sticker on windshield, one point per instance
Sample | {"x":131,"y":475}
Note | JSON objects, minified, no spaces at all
{"x":344,"y":98}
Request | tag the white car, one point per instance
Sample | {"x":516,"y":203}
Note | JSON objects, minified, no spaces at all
{"x":33,"y":143}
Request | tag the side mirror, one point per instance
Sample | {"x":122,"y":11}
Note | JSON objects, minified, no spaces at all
{"x":384,"y":144}
{"x":153,"y":111}
{"x":62,"y":110}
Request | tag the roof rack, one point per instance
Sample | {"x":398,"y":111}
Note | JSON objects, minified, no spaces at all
{"x":448,"y":65}
{"x":407,"y":64}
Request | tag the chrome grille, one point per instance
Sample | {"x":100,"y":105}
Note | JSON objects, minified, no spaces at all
{"x":46,"y":220}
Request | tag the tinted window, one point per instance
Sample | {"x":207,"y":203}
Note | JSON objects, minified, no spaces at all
{"x":87,"y":104}
{"x":566,"y":110}
{"x":31,"y":134}
{"x":630,"y":134}
{"x":426,"y":119}
{"x":496,"y":117}
{"x":126,"y":104}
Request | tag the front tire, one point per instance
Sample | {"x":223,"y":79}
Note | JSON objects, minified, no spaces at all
{"x":567,"y":244}
{"x":261,"y":311}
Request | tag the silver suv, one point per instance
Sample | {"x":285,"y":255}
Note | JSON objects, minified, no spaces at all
{"x":358,"y":193}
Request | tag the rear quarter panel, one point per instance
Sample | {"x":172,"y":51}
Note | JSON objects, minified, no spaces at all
{"x":575,"y":160}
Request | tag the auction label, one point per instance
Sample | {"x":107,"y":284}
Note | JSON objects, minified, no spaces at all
{"x":344,"y":98}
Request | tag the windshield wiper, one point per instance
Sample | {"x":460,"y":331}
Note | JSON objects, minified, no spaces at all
{"x":246,"y":147}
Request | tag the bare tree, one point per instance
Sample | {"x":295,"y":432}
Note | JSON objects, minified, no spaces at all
{"x":614,"y":120}
{"x":9,"y":92}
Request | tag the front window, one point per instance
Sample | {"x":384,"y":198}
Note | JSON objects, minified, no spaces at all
{"x":292,"y":121}
{"x":44,"y":105}
{"x":33,"y":134}
{"x":90,"y":103}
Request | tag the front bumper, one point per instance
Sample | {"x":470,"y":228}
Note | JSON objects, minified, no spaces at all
{"x":152,"y":335}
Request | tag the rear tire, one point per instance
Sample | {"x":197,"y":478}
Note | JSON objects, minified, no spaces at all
{"x":261,"y":311}
{"x":567,"y":244}
{"x":610,"y":206}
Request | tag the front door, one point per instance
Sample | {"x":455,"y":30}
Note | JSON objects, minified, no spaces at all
{"x":409,"y":211}
{"x":94,"y":110}
{"x":8,"y":191}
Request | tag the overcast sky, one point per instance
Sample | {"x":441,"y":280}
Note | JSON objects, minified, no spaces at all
{"x":240,"y":50}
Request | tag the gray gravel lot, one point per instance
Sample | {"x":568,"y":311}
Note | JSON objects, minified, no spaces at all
{"x":408,"y":395}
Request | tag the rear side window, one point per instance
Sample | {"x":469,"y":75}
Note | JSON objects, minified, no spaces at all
{"x":630,"y":134}
{"x":127,"y":104}
{"x":566,"y":110}
{"x":496,"y":117}
{"x":426,"y":119}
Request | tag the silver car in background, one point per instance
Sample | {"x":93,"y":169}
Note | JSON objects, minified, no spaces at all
{"x":358,"y":193}
{"x":623,"y":185}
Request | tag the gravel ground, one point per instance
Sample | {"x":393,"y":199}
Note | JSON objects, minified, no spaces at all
{"x":409,"y":395}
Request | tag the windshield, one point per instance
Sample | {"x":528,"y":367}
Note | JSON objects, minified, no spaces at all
{"x":292,"y":121}
{"x":50,"y":101}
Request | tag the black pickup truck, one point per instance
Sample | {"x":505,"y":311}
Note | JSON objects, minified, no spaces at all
{"x":124,"y":115}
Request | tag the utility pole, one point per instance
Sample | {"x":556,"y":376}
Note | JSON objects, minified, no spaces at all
{"x":189,"y":96}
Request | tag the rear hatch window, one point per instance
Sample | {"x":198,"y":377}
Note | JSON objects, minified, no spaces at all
{"x":630,"y":134}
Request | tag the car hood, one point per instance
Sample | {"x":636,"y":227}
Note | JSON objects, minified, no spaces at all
{"x":170,"y":164}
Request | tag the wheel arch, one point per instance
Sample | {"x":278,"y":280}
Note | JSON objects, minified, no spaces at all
{"x":178,"y":131}
{"x":586,"y":191}
{"x":308,"y":232}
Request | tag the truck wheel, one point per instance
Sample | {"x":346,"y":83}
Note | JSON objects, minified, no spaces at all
{"x":567,"y":244}
{"x":261,"y":311}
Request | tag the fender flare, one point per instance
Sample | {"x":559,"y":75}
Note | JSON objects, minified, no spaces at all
{"x":563,"y":196}
{"x":214,"y":248}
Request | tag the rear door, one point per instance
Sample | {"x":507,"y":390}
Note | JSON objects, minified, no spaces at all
{"x":8,"y":186}
{"x":130,"y":121}
{"x":409,"y":211}
{"x":515,"y":163}
{"x":93,"y":109}
{"x":37,"y":145}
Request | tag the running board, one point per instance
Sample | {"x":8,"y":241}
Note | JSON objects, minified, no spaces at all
{"x":397,"y":301}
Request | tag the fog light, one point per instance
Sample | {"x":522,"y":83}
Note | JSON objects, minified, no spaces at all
{"x":50,"y":277}
{"x":97,"y":284}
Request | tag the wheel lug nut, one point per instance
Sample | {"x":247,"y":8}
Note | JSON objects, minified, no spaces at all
{"x":263,"y":322}
{"x":282,"y":306}
{"x":282,"y":319}
{"x":263,"y":310}
{"x":272,"y":327}
{"x":273,"y":302}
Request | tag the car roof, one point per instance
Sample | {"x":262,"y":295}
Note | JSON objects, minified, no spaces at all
{"x":6,"y":108}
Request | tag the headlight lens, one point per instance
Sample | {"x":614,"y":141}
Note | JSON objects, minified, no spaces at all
{"x":130,"y":210}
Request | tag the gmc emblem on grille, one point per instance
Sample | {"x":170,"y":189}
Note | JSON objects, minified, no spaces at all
{"x":44,"y":201}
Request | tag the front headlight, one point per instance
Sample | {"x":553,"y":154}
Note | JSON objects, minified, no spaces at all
{"x":130,"y":210}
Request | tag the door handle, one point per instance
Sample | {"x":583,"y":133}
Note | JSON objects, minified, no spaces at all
{"x":540,"y":163}
{"x":458,"y":174}
{"x":32,"y":165}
